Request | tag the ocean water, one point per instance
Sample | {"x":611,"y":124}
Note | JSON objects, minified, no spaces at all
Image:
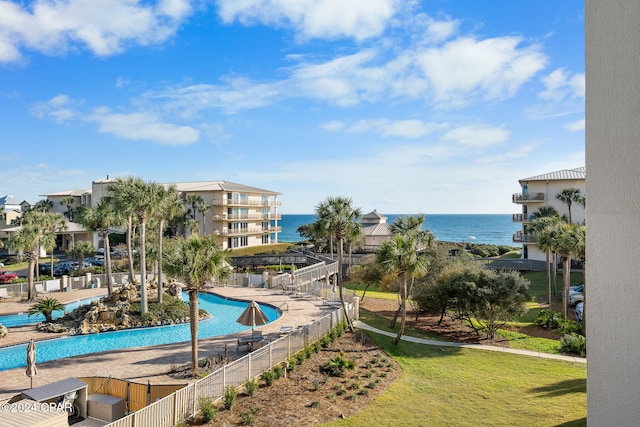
{"x":494,"y":229}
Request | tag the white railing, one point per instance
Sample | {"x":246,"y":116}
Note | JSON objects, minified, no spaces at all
{"x":184,"y":403}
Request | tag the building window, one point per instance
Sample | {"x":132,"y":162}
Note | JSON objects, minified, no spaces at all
{"x":244,"y":241}
{"x":265,"y":239}
{"x":265,"y":226}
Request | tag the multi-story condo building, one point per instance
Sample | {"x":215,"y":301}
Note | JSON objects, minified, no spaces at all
{"x":540,"y":191}
{"x":239,"y":215}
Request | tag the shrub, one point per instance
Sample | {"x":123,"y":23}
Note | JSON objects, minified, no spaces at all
{"x":315,"y":404}
{"x":337,"y":365}
{"x":569,"y":327}
{"x":548,"y":318}
{"x":249,"y":417}
{"x":291,"y":364}
{"x":207,"y":409}
{"x":251,"y":387}
{"x":574,"y":343}
{"x":325,"y":341}
{"x":230,"y":397}
{"x":278,"y":371}
{"x":268,"y":377}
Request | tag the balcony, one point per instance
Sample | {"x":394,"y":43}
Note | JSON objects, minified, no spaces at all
{"x":245,"y":202}
{"x":246,"y":217}
{"x":527,"y":198}
{"x":520,"y":237}
{"x":245,"y":231}
{"x":522,"y":218}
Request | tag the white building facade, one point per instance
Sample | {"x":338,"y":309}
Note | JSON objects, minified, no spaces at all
{"x":541,"y":191}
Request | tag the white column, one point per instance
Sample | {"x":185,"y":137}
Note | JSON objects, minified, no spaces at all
{"x":612,"y":308}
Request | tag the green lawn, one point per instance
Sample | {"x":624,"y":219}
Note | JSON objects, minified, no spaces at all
{"x":461,"y":387}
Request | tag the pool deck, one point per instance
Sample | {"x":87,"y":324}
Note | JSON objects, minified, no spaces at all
{"x":144,"y":364}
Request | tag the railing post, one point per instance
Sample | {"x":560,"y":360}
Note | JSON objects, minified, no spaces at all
{"x":249,"y":364}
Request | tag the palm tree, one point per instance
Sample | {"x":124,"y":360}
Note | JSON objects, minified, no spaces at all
{"x":168,"y":206}
{"x":121,"y":196}
{"x":195,"y":260}
{"x":27,"y":240}
{"x":575,"y":239}
{"x":80,"y":250}
{"x":44,"y":205}
{"x":102,"y":219}
{"x":546,"y":230}
{"x":340,"y":219}
{"x":197,"y":204}
{"x":411,"y":226}
{"x":567,"y":244}
{"x":46,"y":307}
{"x":568,"y":196}
{"x":137,"y":199}
{"x":546,"y":211}
{"x":400,"y":256}
{"x":68,"y":203}
{"x":48,"y":224}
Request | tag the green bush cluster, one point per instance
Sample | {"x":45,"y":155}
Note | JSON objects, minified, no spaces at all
{"x":230,"y":397}
{"x":268,"y":377}
{"x":548,"y":318}
{"x":337,"y":365}
{"x":251,"y":387}
{"x":574,"y":343}
{"x":208,"y":410}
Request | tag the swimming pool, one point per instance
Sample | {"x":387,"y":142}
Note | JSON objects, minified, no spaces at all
{"x":21,"y":319}
{"x":224,"y":313}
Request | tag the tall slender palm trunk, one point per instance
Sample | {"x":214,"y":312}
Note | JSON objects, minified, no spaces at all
{"x":193,"y":322}
{"x":403,"y":310}
{"x":342,"y":302}
{"x":107,"y":261}
{"x":566,"y":276}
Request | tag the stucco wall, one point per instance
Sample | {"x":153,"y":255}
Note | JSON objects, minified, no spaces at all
{"x":613,"y":210}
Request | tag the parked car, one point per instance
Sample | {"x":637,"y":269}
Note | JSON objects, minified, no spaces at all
{"x":578,"y":310}
{"x":97,"y":260}
{"x":44,"y":268}
{"x":6,"y":276}
{"x":576,"y":294}
{"x":575,"y":298}
{"x":65,"y":267}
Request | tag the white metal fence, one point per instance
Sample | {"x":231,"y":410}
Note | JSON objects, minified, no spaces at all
{"x":185,"y":402}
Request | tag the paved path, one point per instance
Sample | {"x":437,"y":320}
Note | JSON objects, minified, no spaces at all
{"x":152,"y":364}
{"x":360,"y":325}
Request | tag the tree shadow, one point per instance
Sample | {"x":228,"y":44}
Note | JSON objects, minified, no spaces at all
{"x":578,"y":385}
{"x":575,"y":423}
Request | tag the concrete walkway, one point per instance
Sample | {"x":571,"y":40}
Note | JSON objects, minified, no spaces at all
{"x":151,"y":364}
{"x":358,"y":324}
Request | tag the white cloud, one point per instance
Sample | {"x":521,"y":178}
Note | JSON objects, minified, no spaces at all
{"x":105,"y":27}
{"x":59,"y":108}
{"x":333,"y":126}
{"x":330,"y":19}
{"x":578,"y":125}
{"x":560,"y":85}
{"x":143,"y":126}
{"x":517,"y":153}
{"x":490,"y":68}
{"x":400,"y":128}
{"x":477,"y":136}
{"x":238,"y":94}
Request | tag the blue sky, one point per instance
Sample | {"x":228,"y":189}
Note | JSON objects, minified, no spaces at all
{"x":404,"y":106}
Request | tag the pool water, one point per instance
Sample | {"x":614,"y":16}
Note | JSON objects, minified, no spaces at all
{"x":224,"y":313}
{"x":21,"y":319}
